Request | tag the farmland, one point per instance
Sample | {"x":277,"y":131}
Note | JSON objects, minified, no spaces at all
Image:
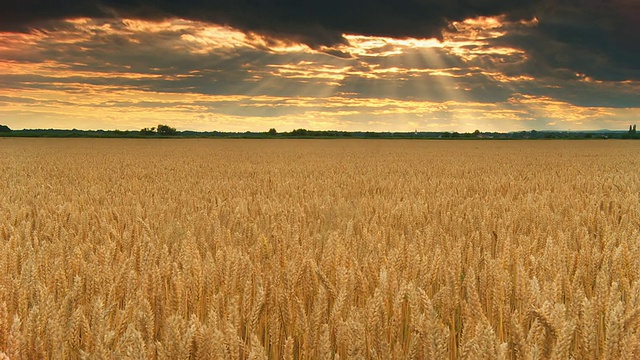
{"x":319,"y":249}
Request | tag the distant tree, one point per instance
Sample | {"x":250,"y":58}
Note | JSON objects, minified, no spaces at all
{"x":630,"y":129}
{"x":476,"y":133}
{"x":272,"y":131}
{"x":166,"y":130}
{"x":4,"y":128}
{"x":148,"y":131}
{"x":633,"y":131}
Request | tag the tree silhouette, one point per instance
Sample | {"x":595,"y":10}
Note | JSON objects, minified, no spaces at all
{"x":148,"y":131}
{"x":166,"y":130}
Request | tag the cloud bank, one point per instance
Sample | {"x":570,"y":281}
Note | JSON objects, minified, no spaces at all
{"x":353,"y":64}
{"x":591,"y":37}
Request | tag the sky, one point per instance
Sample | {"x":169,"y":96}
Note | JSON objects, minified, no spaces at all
{"x":356,"y":65}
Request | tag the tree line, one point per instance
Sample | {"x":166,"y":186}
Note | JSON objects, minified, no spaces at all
{"x":160,"y":130}
{"x":163,"y":130}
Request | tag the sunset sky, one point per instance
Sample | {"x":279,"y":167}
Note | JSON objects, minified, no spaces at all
{"x":372,"y":65}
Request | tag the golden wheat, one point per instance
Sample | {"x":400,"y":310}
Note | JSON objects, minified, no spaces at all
{"x":319,"y":249}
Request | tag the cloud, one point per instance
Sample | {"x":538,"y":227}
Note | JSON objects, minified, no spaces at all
{"x":591,"y":37}
{"x":315,"y":23}
{"x":492,"y":73}
{"x":587,"y":38}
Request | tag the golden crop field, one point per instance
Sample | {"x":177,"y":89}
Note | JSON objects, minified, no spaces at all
{"x":319,"y":249}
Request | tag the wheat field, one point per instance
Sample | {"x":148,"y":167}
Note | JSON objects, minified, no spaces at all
{"x":319,"y":249}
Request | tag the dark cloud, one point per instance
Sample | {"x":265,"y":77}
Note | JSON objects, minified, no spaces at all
{"x":593,"y":37}
{"x":568,"y":45}
{"x":316,"y":23}
{"x":18,"y":15}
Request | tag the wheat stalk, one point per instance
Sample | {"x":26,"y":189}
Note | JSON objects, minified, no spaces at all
{"x":307,"y":249}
